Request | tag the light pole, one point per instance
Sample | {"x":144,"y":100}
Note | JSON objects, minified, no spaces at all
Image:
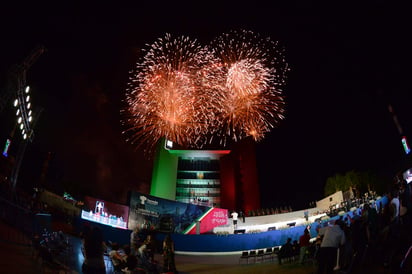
{"x":23,"y":106}
{"x":24,"y":113}
{"x":22,"y":150}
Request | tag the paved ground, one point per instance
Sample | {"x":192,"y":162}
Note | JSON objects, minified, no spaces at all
{"x":18,"y":257}
{"x":230,"y":264}
{"x":15,"y":252}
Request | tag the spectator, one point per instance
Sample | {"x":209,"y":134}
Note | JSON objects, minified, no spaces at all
{"x":94,"y":248}
{"x":169,"y":255}
{"x":146,"y":250}
{"x":295,"y":249}
{"x":242,"y":215}
{"x":333,"y":238}
{"x":286,"y":250}
{"x":135,"y":241}
{"x":119,"y":261}
{"x":392,"y":230}
{"x":303,"y":245}
{"x":131,"y":260}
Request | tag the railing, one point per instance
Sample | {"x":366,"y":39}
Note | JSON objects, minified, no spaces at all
{"x":17,"y":216}
{"x":402,"y":266}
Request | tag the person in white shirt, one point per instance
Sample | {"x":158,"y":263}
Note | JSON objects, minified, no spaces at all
{"x":333,"y":238}
{"x":394,"y":206}
{"x":234,"y":217}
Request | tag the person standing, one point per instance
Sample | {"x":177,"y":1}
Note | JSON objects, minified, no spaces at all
{"x":135,"y":241}
{"x":303,"y":245}
{"x":130,"y":260}
{"x":285,"y":251}
{"x":306,"y":215}
{"x":242,"y":215}
{"x":392,"y":230}
{"x":394,"y":206}
{"x":333,"y":238}
{"x":94,"y":248}
{"x":146,"y":250}
{"x":169,"y":255}
{"x":234,"y":218}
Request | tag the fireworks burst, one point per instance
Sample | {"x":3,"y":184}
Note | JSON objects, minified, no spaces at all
{"x":188,"y":93}
{"x":255,"y":72}
{"x":164,"y":98}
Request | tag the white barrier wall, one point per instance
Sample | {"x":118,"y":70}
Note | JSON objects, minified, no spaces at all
{"x":266,"y":222}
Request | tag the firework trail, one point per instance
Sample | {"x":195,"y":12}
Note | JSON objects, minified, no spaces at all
{"x":255,"y":72}
{"x":164,"y":98}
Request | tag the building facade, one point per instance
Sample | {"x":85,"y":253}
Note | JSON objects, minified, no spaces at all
{"x":219,"y":178}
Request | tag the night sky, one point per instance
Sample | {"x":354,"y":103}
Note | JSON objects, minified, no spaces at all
{"x":348,"y":62}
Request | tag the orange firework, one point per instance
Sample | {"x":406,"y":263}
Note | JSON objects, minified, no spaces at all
{"x":191,"y":94}
{"x":164,"y":98}
{"x":255,"y":72}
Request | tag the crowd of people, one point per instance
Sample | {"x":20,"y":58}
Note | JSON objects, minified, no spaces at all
{"x":136,"y":257}
{"x":354,"y":202}
{"x":374,"y":237}
{"x":374,"y":234}
{"x":269,"y":211}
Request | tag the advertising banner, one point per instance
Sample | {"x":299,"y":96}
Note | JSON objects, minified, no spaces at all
{"x":164,"y":215}
{"x":214,"y":217}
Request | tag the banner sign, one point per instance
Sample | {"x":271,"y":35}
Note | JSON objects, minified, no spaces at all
{"x":211,"y":219}
{"x":151,"y":212}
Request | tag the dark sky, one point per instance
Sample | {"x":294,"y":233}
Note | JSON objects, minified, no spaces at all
{"x":348,"y":62}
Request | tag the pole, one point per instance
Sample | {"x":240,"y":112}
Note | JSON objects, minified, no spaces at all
{"x":395,"y":119}
{"x":19,"y":79}
{"x":403,"y":137}
{"x":20,"y":154}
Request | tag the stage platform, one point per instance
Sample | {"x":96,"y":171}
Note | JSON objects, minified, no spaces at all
{"x":270,"y":222}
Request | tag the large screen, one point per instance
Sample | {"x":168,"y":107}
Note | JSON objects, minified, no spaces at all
{"x":107,"y":213}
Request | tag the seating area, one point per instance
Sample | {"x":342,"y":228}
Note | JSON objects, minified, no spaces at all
{"x":259,"y":255}
{"x":271,"y":253}
{"x":51,"y":249}
{"x":56,"y":251}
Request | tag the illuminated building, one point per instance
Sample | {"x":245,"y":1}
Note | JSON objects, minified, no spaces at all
{"x":221,"y":178}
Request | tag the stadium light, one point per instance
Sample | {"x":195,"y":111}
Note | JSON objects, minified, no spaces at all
{"x":23,"y":112}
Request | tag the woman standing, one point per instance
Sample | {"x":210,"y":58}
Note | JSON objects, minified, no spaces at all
{"x":168,"y":255}
{"x":94,"y":248}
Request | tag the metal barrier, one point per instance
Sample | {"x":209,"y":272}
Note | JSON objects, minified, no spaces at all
{"x":14,"y":215}
{"x":404,"y":266}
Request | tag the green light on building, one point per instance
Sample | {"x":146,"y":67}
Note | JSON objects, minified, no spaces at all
{"x":164,"y":173}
